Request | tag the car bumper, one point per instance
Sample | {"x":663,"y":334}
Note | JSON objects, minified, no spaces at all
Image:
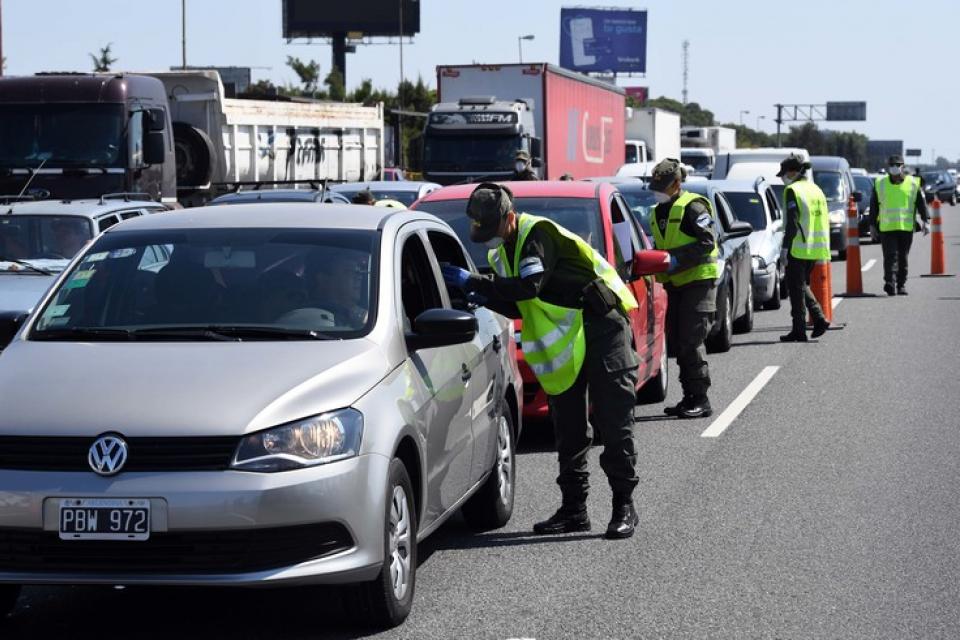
{"x":244,"y":517}
{"x":764,"y":281}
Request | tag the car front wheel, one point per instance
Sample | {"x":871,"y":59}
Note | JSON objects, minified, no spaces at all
{"x":492,"y":505}
{"x":386,"y":601}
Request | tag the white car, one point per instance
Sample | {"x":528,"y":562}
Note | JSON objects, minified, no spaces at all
{"x":283,"y":398}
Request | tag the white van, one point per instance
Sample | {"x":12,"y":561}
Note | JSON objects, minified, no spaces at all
{"x":750,"y":164}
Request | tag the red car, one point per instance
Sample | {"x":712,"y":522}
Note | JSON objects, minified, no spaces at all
{"x":598,"y":213}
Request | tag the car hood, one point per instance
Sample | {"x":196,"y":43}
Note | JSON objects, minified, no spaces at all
{"x":179,"y":388}
{"x":21,"y":291}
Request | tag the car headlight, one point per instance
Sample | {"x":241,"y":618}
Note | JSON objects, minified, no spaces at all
{"x":837,"y":217}
{"x":318,"y":440}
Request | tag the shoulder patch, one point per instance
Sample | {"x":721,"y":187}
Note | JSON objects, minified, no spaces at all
{"x":705,"y":221}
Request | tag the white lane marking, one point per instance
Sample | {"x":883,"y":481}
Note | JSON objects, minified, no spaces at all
{"x":834,"y":303}
{"x":746,"y":396}
{"x":869,"y":265}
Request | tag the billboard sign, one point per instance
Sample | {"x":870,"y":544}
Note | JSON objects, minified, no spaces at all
{"x":640,"y":94}
{"x":913,"y":153}
{"x":603,"y":40}
{"x":883,"y":149}
{"x":317,"y":19}
{"x":847,"y":111}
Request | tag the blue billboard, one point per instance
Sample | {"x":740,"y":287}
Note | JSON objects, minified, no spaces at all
{"x":603,"y":40}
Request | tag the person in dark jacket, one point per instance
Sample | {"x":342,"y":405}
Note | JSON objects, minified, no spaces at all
{"x":897,"y":201}
{"x":521,"y":169}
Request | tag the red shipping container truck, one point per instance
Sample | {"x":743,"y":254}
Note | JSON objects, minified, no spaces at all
{"x":568,"y":122}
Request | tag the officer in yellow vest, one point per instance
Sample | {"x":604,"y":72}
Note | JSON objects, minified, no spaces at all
{"x":683,"y":225}
{"x":897,"y":199}
{"x":576,"y":339}
{"x":806,"y":240}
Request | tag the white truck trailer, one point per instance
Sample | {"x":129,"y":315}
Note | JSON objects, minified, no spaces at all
{"x":652,"y":135}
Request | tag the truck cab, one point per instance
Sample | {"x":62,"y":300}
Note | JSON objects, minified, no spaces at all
{"x":81,"y":135}
{"x":476,"y":138}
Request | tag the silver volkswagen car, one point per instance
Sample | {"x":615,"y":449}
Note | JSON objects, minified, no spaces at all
{"x":254,"y":395}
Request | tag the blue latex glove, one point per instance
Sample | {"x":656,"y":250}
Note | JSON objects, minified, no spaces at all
{"x":455,"y":276}
{"x":673,"y":264}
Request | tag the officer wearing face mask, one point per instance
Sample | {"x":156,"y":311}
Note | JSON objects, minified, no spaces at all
{"x":684,"y":226}
{"x":521,"y":167}
{"x":897,"y":200}
{"x":806,"y":241}
{"x":576,"y":339}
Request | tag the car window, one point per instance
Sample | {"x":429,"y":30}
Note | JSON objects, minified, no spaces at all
{"x":126,"y":215}
{"x":832,"y":185}
{"x":748,"y":207}
{"x":53,"y":239}
{"x":773,"y":204}
{"x":106,"y":222}
{"x":626,"y":241}
{"x":641,"y":203}
{"x":418,"y":285}
{"x":723,"y":213}
{"x":447,"y":250}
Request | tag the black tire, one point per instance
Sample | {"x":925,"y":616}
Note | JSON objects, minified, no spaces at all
{"x":376,"y":602}
{"x":775,"y":301}
{"x":744,"y":324}
{"x":492,"y":505}
{"x":9,"y":593}
{"x":655,"y":389}
{"x":195,"y":156}
{"x":720,"y":341}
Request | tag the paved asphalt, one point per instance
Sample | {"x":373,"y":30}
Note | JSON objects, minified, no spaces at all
{"x":828,"y":509}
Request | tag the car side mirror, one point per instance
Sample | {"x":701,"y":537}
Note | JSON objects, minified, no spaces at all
{"x":154,"y":147}
{"x":10,"y":323}
{"x":740,"y":229}
{"x":649,"y":262}
{"x":441,"y":328}
{"x":858,"y":196}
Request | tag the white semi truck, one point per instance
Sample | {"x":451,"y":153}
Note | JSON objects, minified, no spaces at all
{"x":652,"y":135}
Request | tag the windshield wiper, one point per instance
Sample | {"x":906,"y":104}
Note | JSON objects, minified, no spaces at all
{"x":73,"y":333}
{"x":231,"y":332}
{"x":24,"y":263}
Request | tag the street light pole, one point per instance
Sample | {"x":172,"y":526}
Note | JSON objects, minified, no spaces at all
{"x":759,"y":118}
{"x":183,"y":33}
{"x":743,"y":111}
{"x":520,"y":40}
{"x":399,"y":158}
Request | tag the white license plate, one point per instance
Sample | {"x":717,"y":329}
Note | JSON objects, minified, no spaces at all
{"x":104,"y":519}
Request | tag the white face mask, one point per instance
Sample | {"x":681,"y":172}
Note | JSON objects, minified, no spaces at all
{"x":494,"y":242}
{"x":661,"y":197}
{"x":788,"y":180}
{"x":520,"y":165}
{"x":895,"y":171}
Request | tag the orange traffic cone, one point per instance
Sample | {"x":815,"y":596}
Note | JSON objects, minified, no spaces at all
{"x":854,"y":278}
{"x":937,"y":258}
{"x":822,"y":287}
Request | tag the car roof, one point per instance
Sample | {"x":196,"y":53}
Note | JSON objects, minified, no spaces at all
{"x":392,"y":185}
{"x":739,"y":186}
{"x":89,"y":208}
{"x":293,"y":215}
{"x":829,"y":163}
{"x":295,"y":195}
{"x":527,"y":189}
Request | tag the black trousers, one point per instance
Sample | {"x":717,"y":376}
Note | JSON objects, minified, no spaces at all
{"x":896,"y":247}
{"x":608,"y":382}
{"x":801,"y":297}
{"x":690,"y":313}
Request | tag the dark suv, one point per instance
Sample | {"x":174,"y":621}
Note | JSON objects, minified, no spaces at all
{"x":940,"y":184}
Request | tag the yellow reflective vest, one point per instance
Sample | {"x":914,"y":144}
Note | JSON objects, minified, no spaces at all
{"x":812,"y":241}
{"x":673,"y":238}
{"x":553,"y":339}
{"x":896,"y":203}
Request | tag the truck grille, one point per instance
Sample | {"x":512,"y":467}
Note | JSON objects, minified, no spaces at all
{"x":145,"y":454}
{"x":32,"y":550}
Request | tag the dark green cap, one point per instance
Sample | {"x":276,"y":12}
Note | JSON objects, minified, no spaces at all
{"x":489,"y":204}
{"x":665,"y":173}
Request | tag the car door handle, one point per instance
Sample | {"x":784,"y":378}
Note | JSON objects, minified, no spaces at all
{"x":497,"y":345}
{"x":465,"y":373}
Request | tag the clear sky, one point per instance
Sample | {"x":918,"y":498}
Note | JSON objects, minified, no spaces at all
{"x":744,"y":54}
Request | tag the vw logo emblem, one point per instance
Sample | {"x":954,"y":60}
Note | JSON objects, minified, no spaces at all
{"x":107,"y":455}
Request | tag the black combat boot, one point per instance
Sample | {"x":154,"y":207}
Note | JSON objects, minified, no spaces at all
{"x":677,"y":408}
{"x":888,"y":288}
{"x":820,"y":327}
{"x":902,"y":290}
{"x":797,"y":334}
{"x":568,"y":519}
{"x":699,"y":407}
{"x":624,"y":520}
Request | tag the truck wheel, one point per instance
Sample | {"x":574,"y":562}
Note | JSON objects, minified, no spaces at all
{"x":720,"y":341}
{"x":195,"y":156}
{"x":492,"y":505}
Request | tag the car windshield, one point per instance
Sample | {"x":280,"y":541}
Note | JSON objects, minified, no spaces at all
{"x":469,"y":153}
{"x":406,"y":196}
{"x":864,"y":184}
{"x":641,"y":203}
{"x":579,"y":215}
{"x":931,"y":177}
{"x":65,"y":135}
{"x":46,"y":241}
{"x":831,"y":183}
{"x":747,"y":207}
{"x":697,"y":161}
{"x":272,"y":280}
